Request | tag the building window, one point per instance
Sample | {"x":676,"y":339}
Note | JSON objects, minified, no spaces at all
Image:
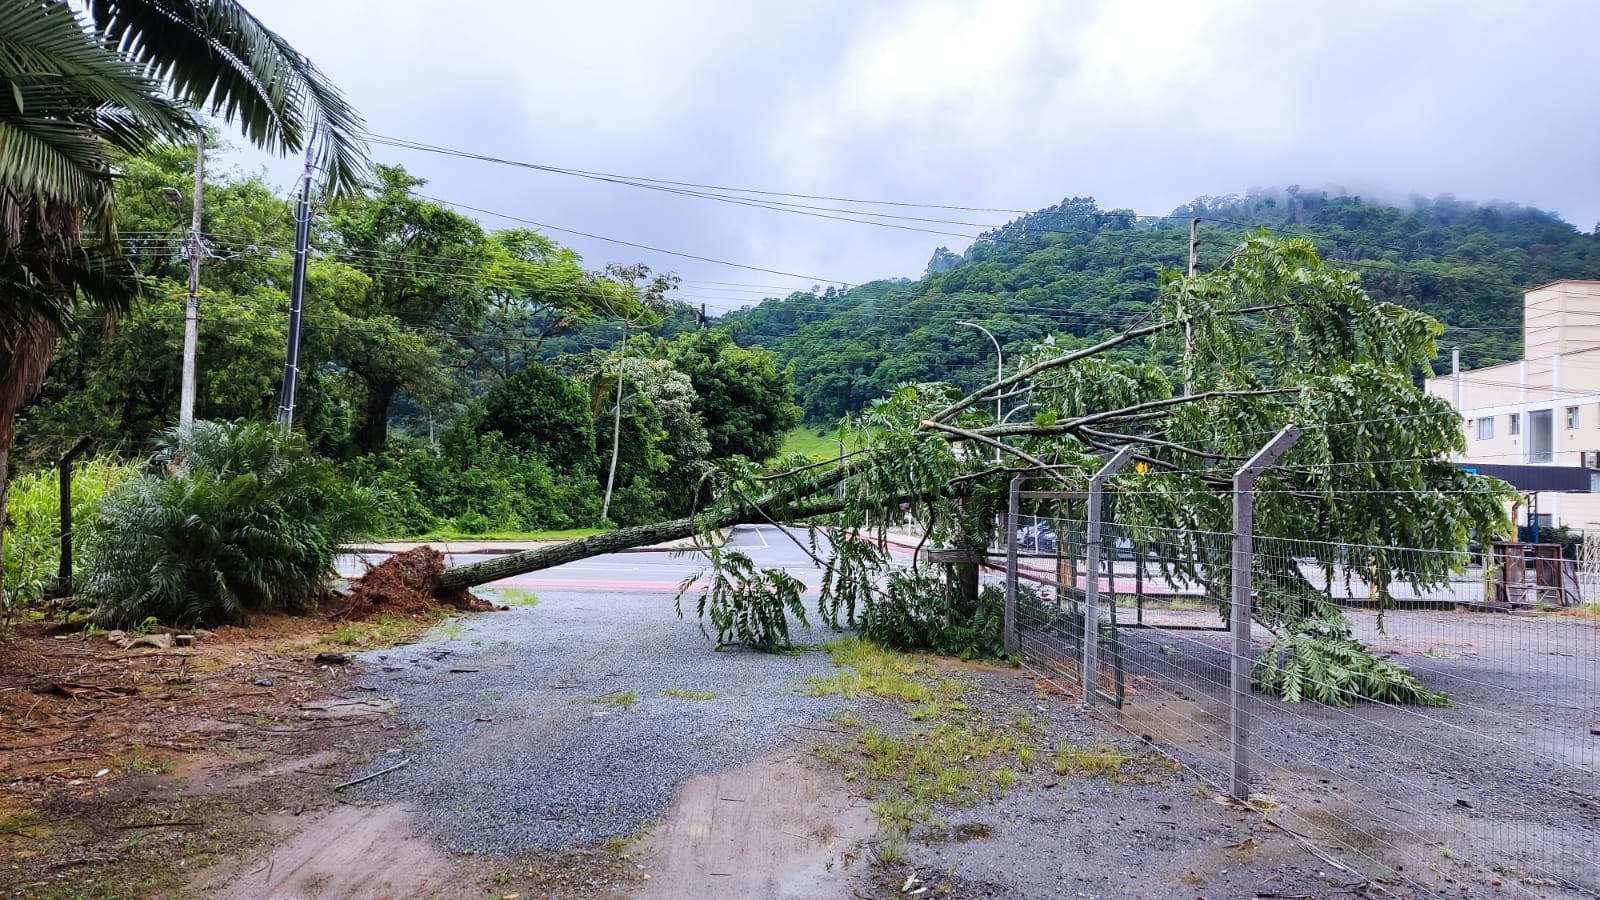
{"x":1516,"y":425}
{"x":1486,"y":428}
{"x":1572,"y":417}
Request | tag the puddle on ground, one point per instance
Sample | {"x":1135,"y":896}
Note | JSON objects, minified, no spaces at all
{"x":971,"y":831}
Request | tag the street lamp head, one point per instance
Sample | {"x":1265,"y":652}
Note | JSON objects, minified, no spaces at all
{"x":174,"y":197}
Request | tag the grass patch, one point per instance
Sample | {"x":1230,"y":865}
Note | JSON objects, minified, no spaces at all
{"x":1589,"y":611}
{"x":138,"y":762}
{"x":23,"y":821}
{"x":620,"y":699}
{"x":949,"y":754}
{"x":813,"y":446}
{"x":386,"y":630}
{"x":518,"y":597}
{"x":878,"y":672}
{"x":447,"y":630}
{"x":682,"y":694}
{"x":1101,"y":759}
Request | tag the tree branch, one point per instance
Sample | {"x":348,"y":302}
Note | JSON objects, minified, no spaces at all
{"x":1024,"y":374}
{"x":819,"y":463}
{"x":975,"y":436}
{"x":1078,"y":423}
{"x":1157,"y":442}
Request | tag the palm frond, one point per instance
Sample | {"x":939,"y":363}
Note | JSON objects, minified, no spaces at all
{"x":219,"y":57}
{"x":42,"y":281}
{"x":68,"y":96}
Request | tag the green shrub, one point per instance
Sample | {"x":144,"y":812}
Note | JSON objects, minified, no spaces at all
{"x":238,"y":518}
{"x":33,"y":529}
{"x":540,"y":412}
{"x":913,"y":614}
{"x":474,"y":484}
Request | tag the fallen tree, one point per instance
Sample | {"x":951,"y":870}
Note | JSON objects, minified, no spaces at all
{"x":1275,"y":337}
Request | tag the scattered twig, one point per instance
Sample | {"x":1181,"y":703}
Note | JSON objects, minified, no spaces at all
{"x":815,"y":728}
{"x":28,"y":826}
{"x":81,"y":861}
{"x":162,"y":825}
{"x":399,"y":765}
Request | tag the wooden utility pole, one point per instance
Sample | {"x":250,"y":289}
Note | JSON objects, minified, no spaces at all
{"x":191,"y":314}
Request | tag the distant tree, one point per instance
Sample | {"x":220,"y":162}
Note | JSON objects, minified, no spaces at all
{"x":424,"y":265}
{"x":540,"y":412}
{"x":943,"y":261}
{"x":746,"y":401}
{"x":665,"y":446}
{"x":534,"y":288}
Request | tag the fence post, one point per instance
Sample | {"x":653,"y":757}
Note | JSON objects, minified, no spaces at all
{"x":1240,"y":612}
{"x":1011,"y":568}
{"x":1091,"y":567}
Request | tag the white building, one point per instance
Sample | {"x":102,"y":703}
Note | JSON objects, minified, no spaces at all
{"x":1543,"y":410}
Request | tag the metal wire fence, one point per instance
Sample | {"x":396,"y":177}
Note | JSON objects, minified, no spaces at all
{"x":1494,"y":793}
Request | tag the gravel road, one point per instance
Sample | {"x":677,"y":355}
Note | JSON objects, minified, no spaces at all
{"x":1494,"y":794}
{"x":524,"y":739}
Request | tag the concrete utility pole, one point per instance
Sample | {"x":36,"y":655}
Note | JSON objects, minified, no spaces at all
{"x":1455,"y":374}
{"x":1194,"y":246}
{"x":1194,"y":269}
{"x":191,"y":314}
{"x":297,"y":293}
{"x":999,"y":375}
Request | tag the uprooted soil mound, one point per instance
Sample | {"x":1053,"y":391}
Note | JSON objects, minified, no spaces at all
{"x":407,"y":583}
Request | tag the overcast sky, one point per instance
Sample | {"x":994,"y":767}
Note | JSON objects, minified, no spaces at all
{"x":1012,"y":104}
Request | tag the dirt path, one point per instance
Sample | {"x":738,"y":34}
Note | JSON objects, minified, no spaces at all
{"x":772,"y":829}
{"x":351,"y":854}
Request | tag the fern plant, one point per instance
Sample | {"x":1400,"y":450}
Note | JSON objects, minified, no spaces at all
{"x":746,"y":605}
{"x":236,"y":518}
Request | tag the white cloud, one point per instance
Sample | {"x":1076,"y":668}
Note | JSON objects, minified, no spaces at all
{"x":1012,"y":103}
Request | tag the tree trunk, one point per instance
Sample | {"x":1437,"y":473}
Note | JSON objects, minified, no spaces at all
{"x":5,"y":489}
{"x":463,"y":577}
{"x":373,"y":435}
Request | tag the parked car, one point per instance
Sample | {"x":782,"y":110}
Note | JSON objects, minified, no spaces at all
{"x":1038,"y":537}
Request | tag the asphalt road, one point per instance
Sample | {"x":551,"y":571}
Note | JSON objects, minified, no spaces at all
{"x":643,"y":572}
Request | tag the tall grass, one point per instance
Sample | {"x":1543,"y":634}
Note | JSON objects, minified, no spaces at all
{"x":238,"y":518}
{"x":33,"y":532}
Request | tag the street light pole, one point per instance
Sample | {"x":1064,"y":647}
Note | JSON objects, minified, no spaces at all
{"x":1016,"y":409}
{"x":999,"y":374}
{"x":840,"y":462}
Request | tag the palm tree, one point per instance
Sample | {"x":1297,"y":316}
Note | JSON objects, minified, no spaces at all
{"x":83,"y":81}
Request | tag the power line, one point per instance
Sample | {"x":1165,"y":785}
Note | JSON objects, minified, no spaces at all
{"x":584,"y":173}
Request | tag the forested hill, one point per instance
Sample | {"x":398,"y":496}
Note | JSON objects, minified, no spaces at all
{"x":1077,"y":270}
